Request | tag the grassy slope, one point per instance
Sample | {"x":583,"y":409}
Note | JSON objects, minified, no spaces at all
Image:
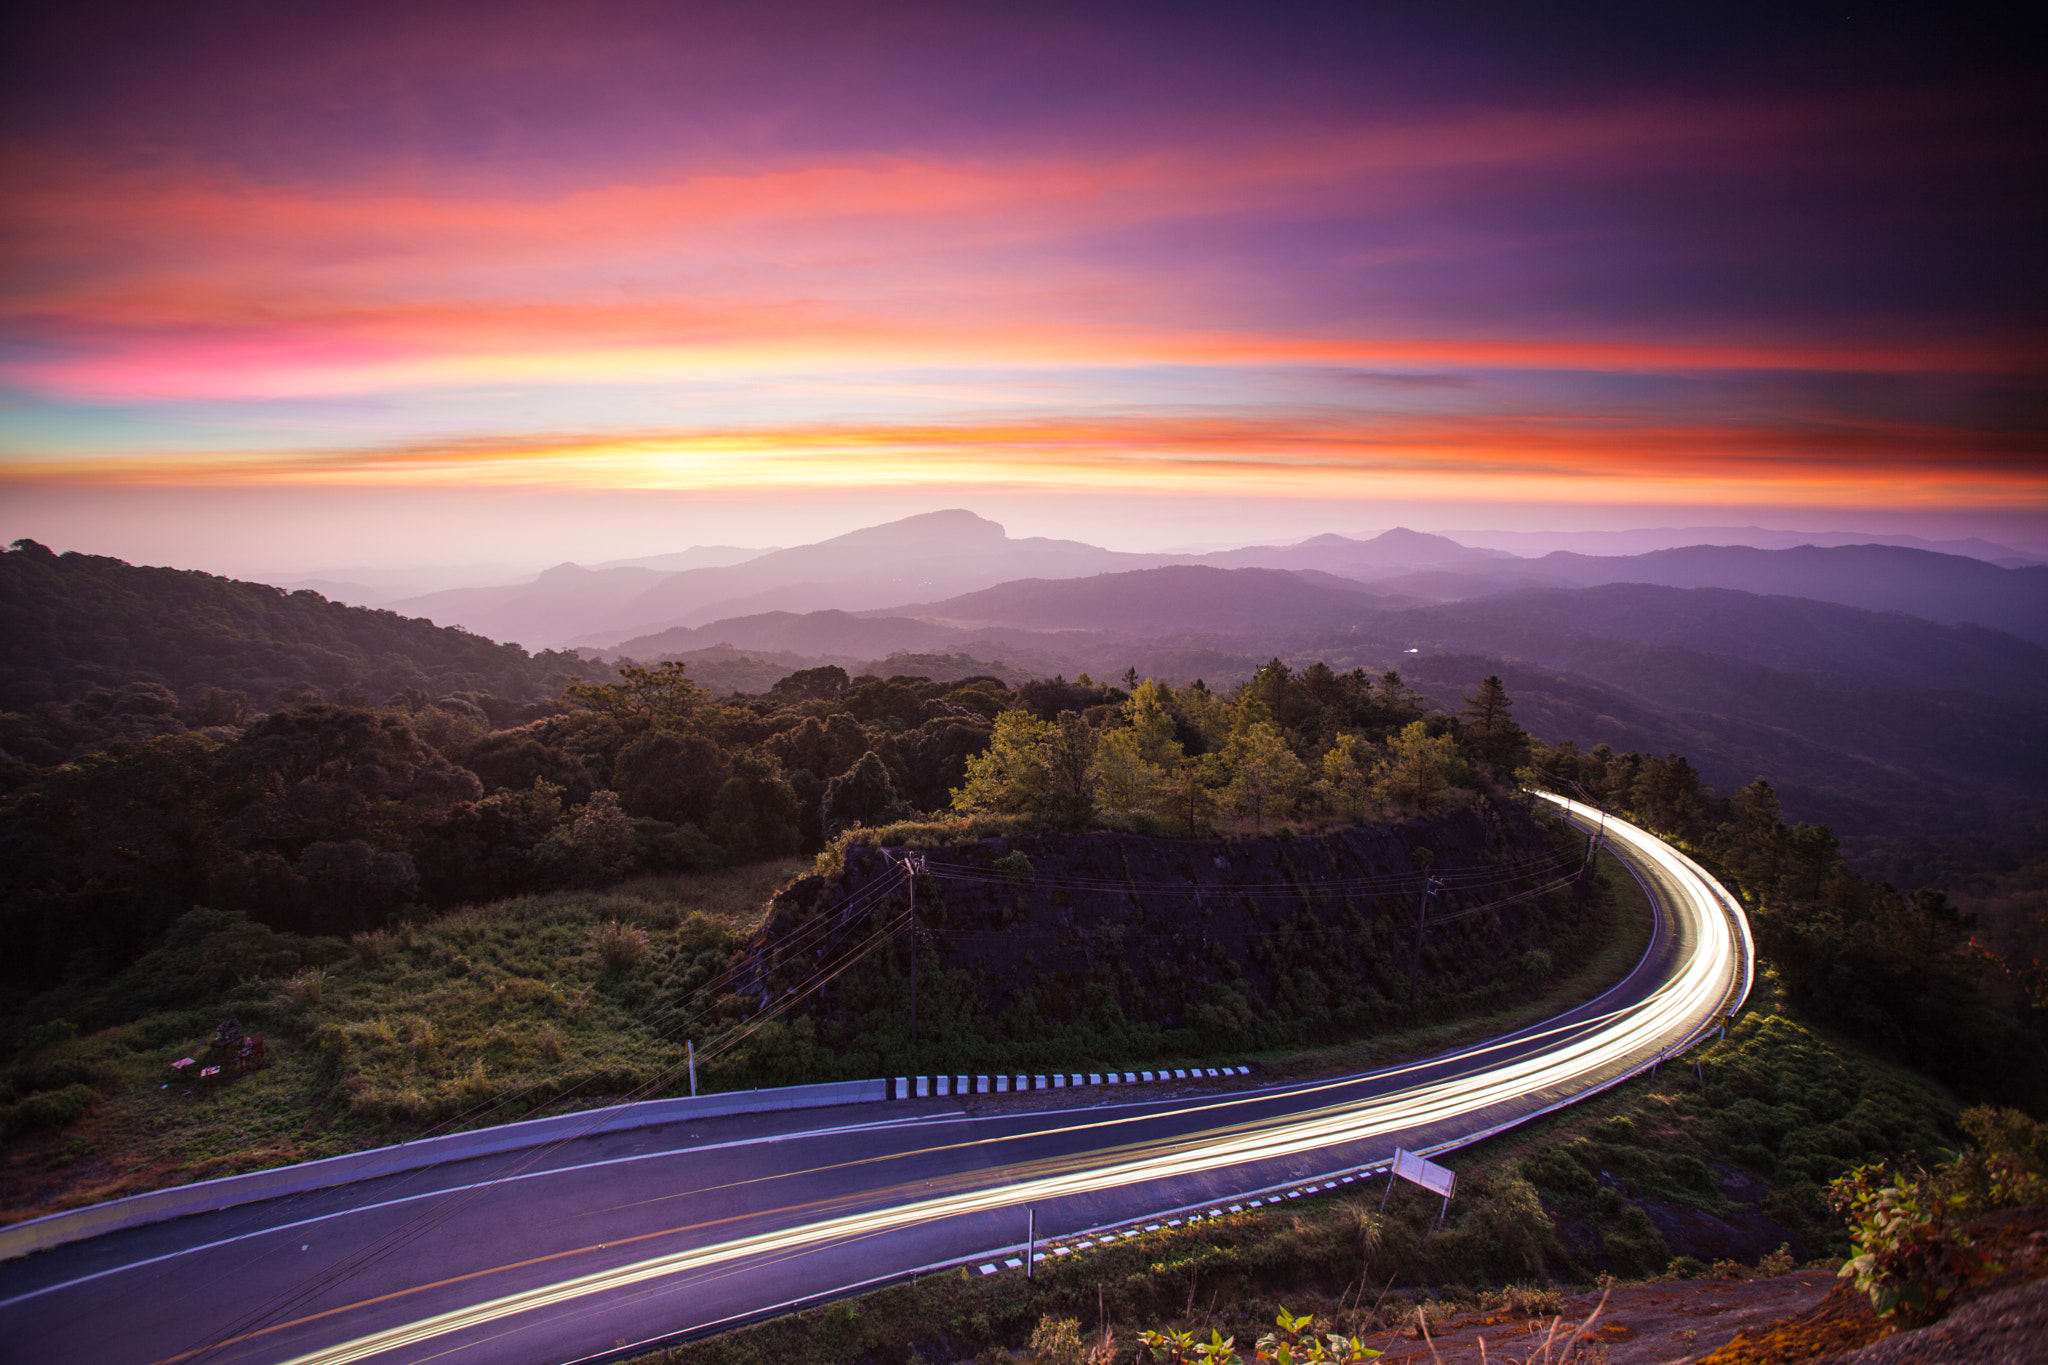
{"x":429,"y":1029}
{"x":410,"y":1034}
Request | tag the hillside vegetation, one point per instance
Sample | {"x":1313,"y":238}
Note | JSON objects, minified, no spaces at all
{"x":454,"y":908}
{"x":1054,"y":951}
{"x":93,"y":650}
{"x":560,"y":1001}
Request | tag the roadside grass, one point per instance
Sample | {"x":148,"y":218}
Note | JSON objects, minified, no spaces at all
{"x":495,"y":1013}
{"x":1542,"y":1209}
{"x":480,"y":1016}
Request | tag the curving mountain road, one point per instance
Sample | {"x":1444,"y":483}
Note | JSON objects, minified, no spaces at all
{"x":568,"y":1252}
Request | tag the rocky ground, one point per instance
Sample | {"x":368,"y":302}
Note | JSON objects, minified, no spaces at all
{"x":1640,"y":1324}
{"x":1807,"y":1317}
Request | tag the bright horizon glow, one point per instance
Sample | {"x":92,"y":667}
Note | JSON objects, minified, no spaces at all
{"x":1305,"y":265}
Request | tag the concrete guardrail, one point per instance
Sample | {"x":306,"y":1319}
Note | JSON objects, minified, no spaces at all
{"x":207,"y":1196}
{"x":158,"y":1206}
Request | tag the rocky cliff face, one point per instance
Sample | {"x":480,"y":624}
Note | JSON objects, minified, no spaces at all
{"x":1043,"y":948}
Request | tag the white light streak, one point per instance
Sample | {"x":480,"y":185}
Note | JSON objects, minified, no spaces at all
{"x":1711,"y":978}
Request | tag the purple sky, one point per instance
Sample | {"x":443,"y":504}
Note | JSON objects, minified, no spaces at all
{"x":1183,"y":273}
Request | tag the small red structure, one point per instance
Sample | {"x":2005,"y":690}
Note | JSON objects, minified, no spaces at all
{"x":251,"y":1055}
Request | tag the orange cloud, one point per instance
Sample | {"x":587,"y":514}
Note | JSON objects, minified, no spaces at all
{"x":1561,"y":459}
{"x":150,"y":285}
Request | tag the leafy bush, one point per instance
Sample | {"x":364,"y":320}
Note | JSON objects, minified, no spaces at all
{"x":1296,"y":1340}
{"x":1057,"y":1341}
{"x":1015,"y":866}
{"x":2007,"y":1166}
{"x":49,"y":1109}
{"x":301,"y":991}
{"x":1910,"y":1257}
{"x":620,"y":947}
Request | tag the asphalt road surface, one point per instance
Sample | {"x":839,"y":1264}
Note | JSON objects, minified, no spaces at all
{"x":562,"y":1253}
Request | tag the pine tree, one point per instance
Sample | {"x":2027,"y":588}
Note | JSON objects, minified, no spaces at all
{"x":1490,"y":728}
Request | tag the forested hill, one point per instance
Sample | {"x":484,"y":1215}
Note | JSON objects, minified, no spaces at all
{"x":92,"y":648}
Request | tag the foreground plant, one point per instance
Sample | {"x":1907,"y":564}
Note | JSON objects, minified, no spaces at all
{"x":1294,"y":1344}
{"x":1910,"y":1258}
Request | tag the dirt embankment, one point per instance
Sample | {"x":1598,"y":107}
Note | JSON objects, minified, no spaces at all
{"x":2002,"y":1320}
{"x":1807,"y":1317}
{"x":1225,"y":942}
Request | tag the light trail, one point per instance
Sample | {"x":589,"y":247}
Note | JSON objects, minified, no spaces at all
{"x":1709,"y":981}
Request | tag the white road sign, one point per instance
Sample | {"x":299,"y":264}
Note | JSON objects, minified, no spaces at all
{"x":1424,"y":1172}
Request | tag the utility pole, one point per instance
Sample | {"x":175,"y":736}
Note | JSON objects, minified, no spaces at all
{"x":912,"y":864}
{"x":1430,"y":886}
{"x":910,"y":871}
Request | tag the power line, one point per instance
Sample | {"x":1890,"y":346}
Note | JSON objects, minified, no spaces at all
{"x":427,"y":1220}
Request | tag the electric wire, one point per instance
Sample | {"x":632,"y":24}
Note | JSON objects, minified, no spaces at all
{"x":838,"y":917}
{"x":814,"y":936}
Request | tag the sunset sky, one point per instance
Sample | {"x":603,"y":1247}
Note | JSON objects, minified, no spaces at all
{"x":427,"y":282}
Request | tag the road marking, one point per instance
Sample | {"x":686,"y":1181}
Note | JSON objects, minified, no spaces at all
{"x":353,"y":1210}
{"x":1147,"y":1111}
{"x":1673,"y":1002}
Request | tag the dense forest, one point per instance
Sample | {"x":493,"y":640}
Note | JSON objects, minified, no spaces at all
{"x":329,"y":819}
{"x":94,"y":650}
{"x":142,"y":791}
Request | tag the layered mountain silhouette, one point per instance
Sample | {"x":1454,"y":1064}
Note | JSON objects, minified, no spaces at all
{"x":1873,"y":720}
{"x":937,"y":559}
{"x":1876,"y":684}
{"x":1865,"y":718}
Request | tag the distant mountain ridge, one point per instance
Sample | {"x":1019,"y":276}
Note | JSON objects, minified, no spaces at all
{"x":115,"y":638}
{"x":905,"y":567}
{"x":1860,"y":717}
{"x":1180,"y":597}
{"x":1642,"y":540}
{"x":1871,"y":719}
{"x":1945,"y":588}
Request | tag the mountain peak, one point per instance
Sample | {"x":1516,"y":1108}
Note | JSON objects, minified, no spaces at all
{"x":1401,"y":535}
{"x":953,"y":526}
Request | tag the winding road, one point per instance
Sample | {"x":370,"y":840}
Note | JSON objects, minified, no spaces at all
{"x":575,"y":1251}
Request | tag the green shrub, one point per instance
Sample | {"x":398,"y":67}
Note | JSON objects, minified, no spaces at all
{"x":1015,"y":866}
{"x":47,"y":1109}
{"x":1057,"y":1341}
{"x":301,"y":991}
{"x":1910,"y":1257}
{"x":620,"y":947}
{"x":36,"y":1037}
